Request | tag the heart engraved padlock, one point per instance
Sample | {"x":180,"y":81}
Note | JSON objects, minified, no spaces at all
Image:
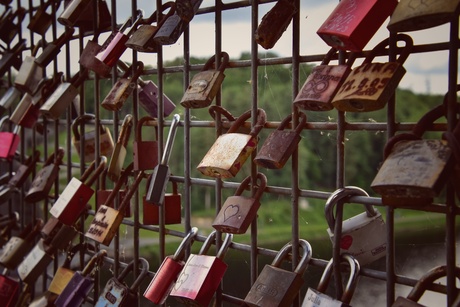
{"x":145,"y":153}
{"x":51,"y":50}
{"x":363,"y":236}
{"x":72,"y":12}
{"x":280,"y":144}
{"x":166,"y":275}
{"x":229,"y":152}
{"x":119,"y":152}
{"x":274,"y":23}
{"x":314,"y":298}
{"x":353,"y":23}
{"x":11,"y":95}
{"x":9,"y":141}
{"x":323,"y":83}
{"x":202,"y":274}
{"x":369,"y":86}
{"x":29,"y":74}
{"x":172,"y":208}
{"x":238,"y":212}
{"x":278,"y":287}
{"x":42,"y":20}
{"x":9,"y":27}
{"x":106,"y":143}
{"x":117,"y":293}
{"x":11,"y":58}
{"x":205,"y":84}
{"x":106,"y":197}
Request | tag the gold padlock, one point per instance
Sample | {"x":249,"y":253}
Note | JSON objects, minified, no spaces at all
{"x":119,"y":153}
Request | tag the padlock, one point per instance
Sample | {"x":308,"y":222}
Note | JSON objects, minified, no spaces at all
{"x":116,"y":47}
{"x":62,"y":237}
{"x":104,"y":195}
{"x":8,"y":223}
{"x":364,"y":235}
{"x":276,"y":286}
{"x":369,"y":86}
{"x":352,"y":24}
{"x":185,"y":9}
{"x":35,"y":263}
{"x":280,"y":144}
{"x":107,"y":220}
{"x":9,"y":291}
{"x":274,"y":23}
{"x":323,"y":83}
{"x":142,"y":39}
{"x":172,"y":208}
{"x":229,"y":152}
{"x":165,"y":277}
{"x":72,"y":201}
{"x":418,"y":15}
{"x":81,"y":283}
{"x":314,"y":298}
{"x":29,"y":74}
{"x":238,"y":212}
{"x":117,"y":293}
{"x":41,"y":20}
{"x":106,"y":144}
{"x":85,"y":22}
{"x":51,"y":50}
{"x":421,"y":286}
{"x":72,"y":12}
{"x":205,"y":84}
{"x":9,"y":28}
{"x":44,"y":178}
{"x":11,"y":58}
{"x":202,"y":274}
{"x":123,"y":88}
{"x":145,"y":153}
{"x":160,"y":175}
{"x":24,"y":170}
{"x":148,"y":99}
{"x":222,"y":115}
{"x":11,"y":95}
{"x":173,"y":27}
{"x":119,"y":152}
{"x":88,"y":57}
{"x":63,"y":96}
{"x":9,"y":141}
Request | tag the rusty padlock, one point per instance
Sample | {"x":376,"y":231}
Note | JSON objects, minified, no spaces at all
{"x":29,"y":74}
{"x":369,"y":86}
{"x":12,"y":58}
{"x":41,"y":20}
{"x":9,"y":141}
{"x":10,"y":28}
{"x":123,"y":88}
{"x":238,"y":211}
{"x":118,"y":157}
{"x":166,"y":275}
{"x":172,"y":208}
{"x":72,"y":12}
{"x":323,"y":83}
{"x":145,"y":153}
{"x":418,"y":15}
{"x":274,"y":23}
{"x":229,"y":152}
{"x":88,"y":57}
{"x":104,"y":195}
{"x":51,"y":50}
{"x":352,"y":24}
{"x":11,"y":95}
{"x":205,"y":84}
{"x":276,"y":286}
{"x":280,"y":144}
{"x":185,"y":9}
{"x":106,"y":143}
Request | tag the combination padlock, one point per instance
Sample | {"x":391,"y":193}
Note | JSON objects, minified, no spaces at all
{"x":117,"y":160}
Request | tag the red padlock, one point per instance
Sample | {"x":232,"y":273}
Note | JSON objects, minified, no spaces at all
{"x":172,"y":208}
{"x":9,"y":141}
{"x":145,"y":153}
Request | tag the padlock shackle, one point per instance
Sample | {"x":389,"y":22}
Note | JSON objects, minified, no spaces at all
{"x":209,"y":63}
{"x":80,"y":247}
{"x":90,"y":181}
{"x":31,"y":230}
{"x":261,"y":120}
{"x":141,"y":122}
{"x":46,"y":5}
{"x":380,"y":47}
{"x":94,"y":261}
{"x":129,"y":268}
{"x":302,"y":122}
{"x":186,"y":241}
{"x":225,"y":246}
{"x":304,"y":260}
{"x":55,"y":157}
{"x":125,"y":132}
{"x":170,"y":140}
{"x":207,"y":243}
{"x":77,"y":121}
{"x":131,"y":190}
{"x":79,"y":77}
{"x":118,"y":184}
{"x":260,"y":186}
{"x":3,"y":120}
{"x":38,"y":45}
{"x":215,"y":109}
{"x":130,"y":23}
{"x":168,"y":5}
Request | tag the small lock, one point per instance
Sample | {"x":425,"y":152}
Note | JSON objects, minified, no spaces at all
{"x":205,"y":84}
{"x":9,"y":141}
{"x":107,"y":197}
{"x":148,"y":99}
{"x":24,"y":170}
{"x":118,"y":157}
{"x":145,"y":153}
{"x":41,"y":20}
{"x":35,"y":263}
{"x":172,"y":208}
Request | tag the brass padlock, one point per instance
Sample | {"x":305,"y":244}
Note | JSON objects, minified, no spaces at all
{"x":229,"y":152}
{"x":29,"y":74}
{"x":105,"y":197}
{"x":9,"y":98}
{"x":51,"y":50}
{"x":12,"y":57}
{"x":72,"y":12}
{"x":145,"y":153}
{"x":41,"y":20}
{"x":238,"y":212}
{"x":369,"y":86}
{"x":119,"y":152}
{"x":274,"y":23}
{"x":280,"y":144}
{"x":123,"y":88}
{"x":172,"y":208}
{"x":9,"y":28}
{"x":106,"y":143}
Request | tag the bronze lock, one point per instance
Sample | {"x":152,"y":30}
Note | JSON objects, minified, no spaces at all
{"x":119,"y":152}
{"x":88,"y":57}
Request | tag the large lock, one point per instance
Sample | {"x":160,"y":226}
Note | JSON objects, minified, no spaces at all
{"x":280,"y":144}
{"x":35,"y":263}
{"x":44,"y":179}
{"x":9,"y":98}
{"x":314,"y":298}
{"x":9,"y":291}
{"x":238,"y":212}
{"x":278,"y":287}
{"x":123,"y":88}
{"x":229,"y":152}
{"x":165,"y":277}
{"x":145,"y":153}
{"x":107,"y":197}
{"x":352,"y":24}
{"x":106,"y":143}
{"x":418,"y":15}
{"x":369,"y":86}
{"x":9,"y":141}
{"x":119,"y":152}
{"x":9,"y":27}
{"x":52,"y":50}
{"x":202,"y":274}
{"x":172,"y":208}
{"x":205,"y":84}
{"x":274,"y":23}
{"x":11,"y":58}
{"x":29,"y":74}
{"x":117,"y":293}
{"x":364,"y":235}
{"x":42,"y":20}
{"x":72,"y":12}
{"x":72,"y":201}
{"x":323,"y":83}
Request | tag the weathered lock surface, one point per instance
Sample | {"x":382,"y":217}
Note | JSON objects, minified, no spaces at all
{"x":89,"y":61}
{"x":238,"y":211}
{"x":148,"y":99}
{"x":205,"y":84}
{"x":186,"y":9}
{"x":29,"y":73}
{"x":24,"y":170}
{"x":172,"y":208}
{"x":145,"y":153}
{"x":41,"y":20}
{"x":72,"y":12}
{"x":35,"y":263}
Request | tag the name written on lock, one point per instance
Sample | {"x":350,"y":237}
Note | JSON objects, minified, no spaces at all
{"x":99,"y":226}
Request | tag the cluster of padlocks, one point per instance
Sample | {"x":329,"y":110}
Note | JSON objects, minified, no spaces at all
{"x":423,"y":166}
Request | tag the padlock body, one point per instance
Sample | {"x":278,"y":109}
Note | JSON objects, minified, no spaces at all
{"x":202,"y":89}
{"x":20,"y":176}
{"x":89,"y":149}
{"x":227,"y":155}
{"x":7,"y":100}
{"x":72,"y":202}
{"x":414,"y":172}
{"x":274,"y":287}
{"x":116,"y":162}
{"x":172,"y":208}
{"x":115,"y":293}
{"x":145,"y":155}
{"x":314,"y":298}
{"x":321,"y":86}
{"x":103,"y":195}
{"x":40,"y":21}
{"x":142,"y":39}
{"x":148,"y":99}
{"x":58,"y":102}
{"x":114,"y":50}
{"x":170,"y":31}
{"x":9,"y":291}
{"x":104,"y":225}
{"x":277,"y":149}
{"x":13,"y":252}
{"x":60,"y":280}
{"x":404,"y":302}
{"x":354,"y":22}
{"x":75,"y":292}
{"x":26,"y":112}
{"x":34,"y":264}
{"x":72,"y":12}
{"x":88,"y":59}
{"x":118,"y":95}
{"x":158,"y":183}
{"x":29,"y":75}
{"x":60,"y":241}
{"x":9,"y":142}
{"x":368,"y":87}
{"x":42,"y":183}
{"x":236,"y":214}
